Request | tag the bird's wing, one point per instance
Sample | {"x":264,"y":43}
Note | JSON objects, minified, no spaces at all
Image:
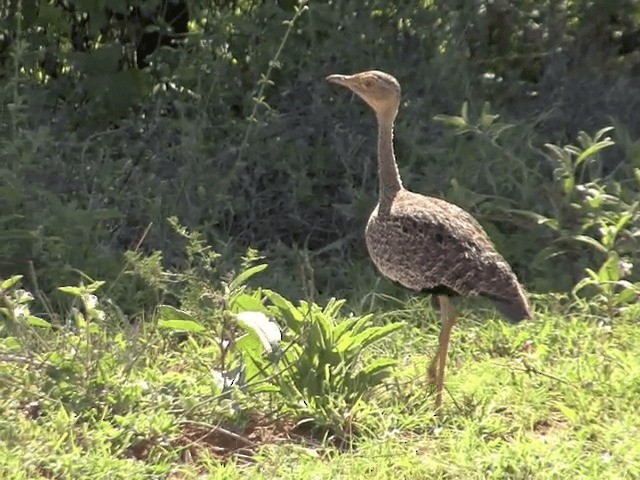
{"x":428,"y":244}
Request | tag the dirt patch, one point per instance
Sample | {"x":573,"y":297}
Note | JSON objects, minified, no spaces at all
{"x":225,"y":441}
{"x":548,"y":427}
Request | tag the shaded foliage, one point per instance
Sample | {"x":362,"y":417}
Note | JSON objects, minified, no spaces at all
{"x":119,"y":114}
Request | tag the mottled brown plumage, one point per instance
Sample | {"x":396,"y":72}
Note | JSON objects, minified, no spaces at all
{"x":425,"y":243}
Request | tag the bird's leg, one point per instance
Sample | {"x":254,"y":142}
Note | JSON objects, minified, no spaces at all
{"x":433,"y":366}
{"x":436,"y":369}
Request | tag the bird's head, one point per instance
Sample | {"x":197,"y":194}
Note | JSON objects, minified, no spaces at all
{"x":380,"y":90}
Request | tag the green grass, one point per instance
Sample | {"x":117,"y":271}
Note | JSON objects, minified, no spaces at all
{"x":554,"y":398}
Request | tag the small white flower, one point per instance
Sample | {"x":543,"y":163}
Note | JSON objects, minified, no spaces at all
{"x":90,"y":301}
{"x":21,"y":312}
{"x":267,"y":330}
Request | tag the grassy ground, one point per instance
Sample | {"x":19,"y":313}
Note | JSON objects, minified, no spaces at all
{"x":554,"y":398}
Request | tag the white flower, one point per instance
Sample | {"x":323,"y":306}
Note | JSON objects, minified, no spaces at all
{"x":267,"y":330}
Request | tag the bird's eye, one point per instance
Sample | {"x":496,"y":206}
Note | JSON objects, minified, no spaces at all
{"x":368,"y":83}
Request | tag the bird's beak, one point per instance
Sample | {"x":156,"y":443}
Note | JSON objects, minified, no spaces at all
{"x":339,"y":79}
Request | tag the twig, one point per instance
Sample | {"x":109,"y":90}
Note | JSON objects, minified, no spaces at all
{"x":222,"y":430}
{"x":264,"y":81}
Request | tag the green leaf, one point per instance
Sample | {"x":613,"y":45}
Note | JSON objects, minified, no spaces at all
{"x":10,"y":282}
{"x":92,"y":287}
{"x":75,"y":291}
{"x":572,"y":415}
{"x":601,"y":132}
{"x":593,"y":149}
{"x":378,"y":365}
{"x":246,"y":303}
{"x":535,"y":217}
{"x":628,"y":295}
{"x":182,"y":325}
{"x":464,"y":111}
{"x":486,"y":117}
{"x":568,"y":184}
{"x":561,"y":155}
{"x":345,"y":326}
{"x":374,"y":334}
{"x":590,"y":241}
{"x":452,"y":120}
{"x":252,"y":350}
{"x":288,"y":310}
{"x":585,"y":282}
{"x":610,"y":270}
{"x":167,"y":312}
{"x":37,"y":322}
{"x":246,"y":275}
{"x":333,"y":307}
{"x":624,"y":219}
{"x":250,"y":343}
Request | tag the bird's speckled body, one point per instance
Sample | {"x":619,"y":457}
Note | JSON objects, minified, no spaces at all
{"x":425,"y":243}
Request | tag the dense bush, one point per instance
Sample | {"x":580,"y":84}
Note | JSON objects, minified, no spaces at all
{"x":114,"y":119}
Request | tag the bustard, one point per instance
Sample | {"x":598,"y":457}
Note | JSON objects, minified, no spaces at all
{"x":427,"y":244}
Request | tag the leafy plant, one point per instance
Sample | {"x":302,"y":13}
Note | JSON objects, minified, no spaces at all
{"x":324,"y":365}
{"x":592,"y":211}
{"x":14,"y":306}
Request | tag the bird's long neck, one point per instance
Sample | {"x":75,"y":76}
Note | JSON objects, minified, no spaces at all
{"x":388,"y":173}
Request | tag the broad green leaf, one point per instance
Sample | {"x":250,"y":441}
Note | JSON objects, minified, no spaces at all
{"x":92,"y":287}
{"x":333,"y":307}
{"x":246,"y":275}
{"x":568,"y":184}
{"x":245,"y":302}
{"x":624,"y":219}
{"x":628,"y":295}
{"x":362,"y":323}
{"x":288,"y":310}
{"x":182,"y":325}
{"x":379,"y":365}
{"x":464,"y":111}
{"x":10,"y":282}
{"x":250,"y":344}
{"x":374,"y":334}
{"x":572,"y":415}
{"x":536,"y":217}
{"x":585,"y":282}
{"x":599,"y":134}
{"x":592,"y":273}
{"x":487,"y":118}
{"x":593,"y":149}
{"x":452,"y":120}
{"x":37,"y":322}
{"x":167,"y":312}
{"x":252,"y":350}
{"x":345,"y":326}
{"x":75,"y":291}
{"x":610,"y":270}
{"x":590,"y":241}
{"x":11,"y":343}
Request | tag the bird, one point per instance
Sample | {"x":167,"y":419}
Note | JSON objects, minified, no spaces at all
{"x":425,"y":243}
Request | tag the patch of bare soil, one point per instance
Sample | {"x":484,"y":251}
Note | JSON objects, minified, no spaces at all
{"x":545,"y":428}
{"x":226,"y":441}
